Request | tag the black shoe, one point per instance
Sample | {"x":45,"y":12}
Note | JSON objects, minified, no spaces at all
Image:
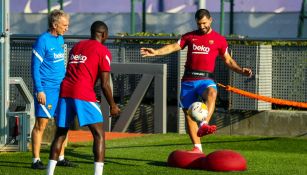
{"x":66,"y":162}
{"x":38,"y":165}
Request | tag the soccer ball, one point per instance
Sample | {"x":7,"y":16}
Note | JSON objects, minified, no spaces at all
{"x":198,"y":111}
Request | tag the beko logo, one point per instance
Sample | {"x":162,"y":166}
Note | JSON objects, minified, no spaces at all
{"x":202,"y":49}
{"x":77,"y":58}
{"x":58,"y":56}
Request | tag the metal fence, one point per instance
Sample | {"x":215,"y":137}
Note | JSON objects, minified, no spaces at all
{"x":280,"y":72}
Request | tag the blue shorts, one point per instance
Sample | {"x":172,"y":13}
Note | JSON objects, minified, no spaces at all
{"x":191,"y":91}
{"x":48,"y":110}
{"x":87,"y":112}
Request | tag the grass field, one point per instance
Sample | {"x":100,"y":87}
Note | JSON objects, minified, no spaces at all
{"x":147,"y":155}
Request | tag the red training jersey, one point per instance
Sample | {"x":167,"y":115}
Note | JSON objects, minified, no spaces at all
{"x":202,"y":50}
{"x":87,"y":60}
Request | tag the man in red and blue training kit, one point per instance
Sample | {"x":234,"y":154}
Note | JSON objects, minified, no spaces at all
{"x":89,"y":60}
{"x":204,"y":45}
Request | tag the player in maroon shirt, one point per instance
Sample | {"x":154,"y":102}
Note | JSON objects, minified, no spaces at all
{"x":89,"y":60}
{"x":204,"y":45}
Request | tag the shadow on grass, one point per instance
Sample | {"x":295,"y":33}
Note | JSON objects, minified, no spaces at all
{"x":206,"y":142}
{"x":151,"y":162}
{"x":113,"y":160}
{"x":87,"y":158}
{"x":90,"y":158}
{"x":237,"y":140}
{"x":12,"y":164}
{"x":158,"y":163}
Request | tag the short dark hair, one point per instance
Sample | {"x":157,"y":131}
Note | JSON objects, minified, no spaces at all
{"x":96,"y":25}
{"x":201,"y":13}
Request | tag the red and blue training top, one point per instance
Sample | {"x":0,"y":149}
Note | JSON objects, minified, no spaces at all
{"x":87,"y":60}
{"x":202,"y":50}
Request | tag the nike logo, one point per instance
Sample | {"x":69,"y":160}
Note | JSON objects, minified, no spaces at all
{"x":255,"y":22}
{"x":149,"y":8}
{"x":176,"y":9}
{"x":28,"y":9}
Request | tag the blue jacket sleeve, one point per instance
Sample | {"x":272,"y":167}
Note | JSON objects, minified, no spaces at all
{"x":38,"y":53}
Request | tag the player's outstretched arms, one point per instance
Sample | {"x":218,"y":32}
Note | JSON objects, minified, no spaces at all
{"x":148,"y":52}
{"x":232,"y":64}
{"x":165,"y":50}
{"x":247,"y":72}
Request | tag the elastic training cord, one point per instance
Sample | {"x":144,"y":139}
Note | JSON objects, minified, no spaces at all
{"x":264,"y":98}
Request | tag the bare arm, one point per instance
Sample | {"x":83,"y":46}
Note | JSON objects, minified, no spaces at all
{"x":232,"y":64}
{"x":170,"y":48}
{"x":106,"y":89}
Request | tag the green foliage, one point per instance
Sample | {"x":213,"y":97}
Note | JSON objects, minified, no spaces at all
{"x":147,"y":38}
{"x":244,"y":40}
{"x":168,"y":38}
{"x":267,"y":42}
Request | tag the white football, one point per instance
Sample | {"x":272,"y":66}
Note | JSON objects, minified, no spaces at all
{"x":198,"y":111}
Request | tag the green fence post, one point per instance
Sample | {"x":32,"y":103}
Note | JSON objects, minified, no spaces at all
{"x":222,"y":18}
{"x":132,"y":17}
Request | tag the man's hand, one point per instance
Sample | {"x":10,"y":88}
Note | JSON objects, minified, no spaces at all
{"x":41,"y":98}
{"x":148,"y":52}
{"x":247,"y":72}
{"x":114,"y":110}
